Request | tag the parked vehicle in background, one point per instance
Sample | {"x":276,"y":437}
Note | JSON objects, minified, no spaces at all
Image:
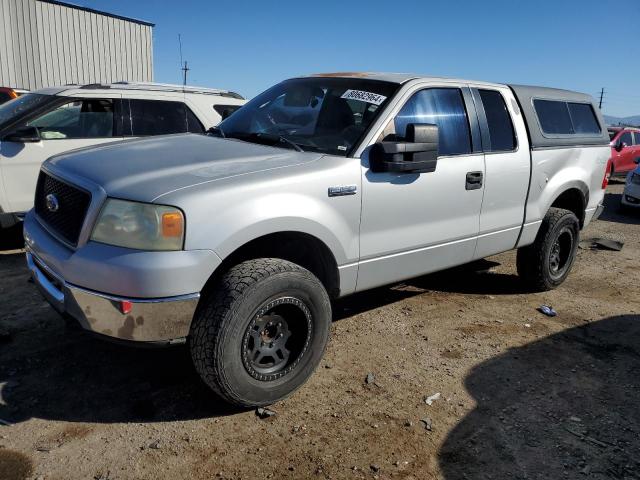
{"x":631,"y":194}
{"x":625,"y":148}
{"x":8,"y":93}
{"x":54,"y":120}
{"x":320,"y":187}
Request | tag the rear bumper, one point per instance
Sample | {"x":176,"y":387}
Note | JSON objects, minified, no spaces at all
{"x":164,"y":320}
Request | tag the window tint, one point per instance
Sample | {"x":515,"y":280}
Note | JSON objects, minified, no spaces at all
{"x":156,"y":117}
{"x":193,"y":124}
{"x":443,"y":107}
{"x":554,"y":116}
{"x":566,"y":118}
{"x":625,"y":138}
{"x":500,"y":127}
{"x":88,"y":118}
{"x":583,"y":118}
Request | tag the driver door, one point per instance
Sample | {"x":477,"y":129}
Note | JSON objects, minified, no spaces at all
{"x":80,"y":122}
{"x":416,"y":223}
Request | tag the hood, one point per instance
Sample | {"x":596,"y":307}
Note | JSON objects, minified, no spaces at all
{"x":144,"y":169}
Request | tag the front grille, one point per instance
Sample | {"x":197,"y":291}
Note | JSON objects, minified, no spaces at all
{"x":72,"y":203}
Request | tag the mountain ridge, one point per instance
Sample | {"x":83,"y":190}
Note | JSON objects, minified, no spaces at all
{"x":633,"y":120}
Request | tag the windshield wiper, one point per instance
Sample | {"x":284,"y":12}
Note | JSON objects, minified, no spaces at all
{"x":281,"y":139}
{"x":271,"y":138}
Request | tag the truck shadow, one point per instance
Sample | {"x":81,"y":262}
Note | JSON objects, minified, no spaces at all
{"x":473,"y":278}
{"x":561,"y":407}
{"x":55,"y":372}
{"x":613,"y":213}
{"x":72,"y":376}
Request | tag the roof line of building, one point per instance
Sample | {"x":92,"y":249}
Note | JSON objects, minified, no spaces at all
{"x":99,"y":12}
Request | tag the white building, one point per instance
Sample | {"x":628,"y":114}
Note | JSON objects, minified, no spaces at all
{"x":47,"y":42}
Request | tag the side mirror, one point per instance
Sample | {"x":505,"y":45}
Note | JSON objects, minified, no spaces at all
{"x":418,"y":153}
{"x":23,"y":135}
{"x":636,"y":160}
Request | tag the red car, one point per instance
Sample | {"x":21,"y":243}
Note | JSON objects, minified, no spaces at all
{"x":625,"y":148}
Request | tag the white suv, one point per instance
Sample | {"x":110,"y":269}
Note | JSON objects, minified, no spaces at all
{"x":50,"y":121}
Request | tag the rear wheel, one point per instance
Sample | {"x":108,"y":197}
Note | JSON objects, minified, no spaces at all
{"x":261,"y":332}
{"x":546,"y":263}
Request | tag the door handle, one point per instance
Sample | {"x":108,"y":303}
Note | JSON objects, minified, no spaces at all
{"x":474,"y":181}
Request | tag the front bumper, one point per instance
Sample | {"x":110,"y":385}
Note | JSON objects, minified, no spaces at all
{"x":157,"y":320}
{"x":631,"y":196}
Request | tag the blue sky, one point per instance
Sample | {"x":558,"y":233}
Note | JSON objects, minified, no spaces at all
{"x":248,"y":46}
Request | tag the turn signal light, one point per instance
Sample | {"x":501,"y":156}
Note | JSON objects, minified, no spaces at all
{"x":172,"y":224}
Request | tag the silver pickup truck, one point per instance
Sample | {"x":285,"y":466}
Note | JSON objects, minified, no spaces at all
{"x":237,"y":241}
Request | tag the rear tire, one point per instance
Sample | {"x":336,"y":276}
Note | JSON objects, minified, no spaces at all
{"x":546,"y":263}
{"x":259,"y":334}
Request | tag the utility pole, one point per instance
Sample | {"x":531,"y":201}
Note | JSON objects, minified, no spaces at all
{"x":601,"y":97}
{"x":185,"y":69}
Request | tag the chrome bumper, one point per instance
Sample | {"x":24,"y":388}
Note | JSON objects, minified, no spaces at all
{"x":146,"y":320}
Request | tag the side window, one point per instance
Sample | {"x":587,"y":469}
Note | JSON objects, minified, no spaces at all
{"x":583,"y":118}
{"x":554,"y":116}
{"x":443,"y":107}
{"x":501,"y":131}
{"x":193,"y":124}
{"x":86,"y":118}
{"x":636,"y":135}
{"x":626,"y":139}
{"x":157,"y":117}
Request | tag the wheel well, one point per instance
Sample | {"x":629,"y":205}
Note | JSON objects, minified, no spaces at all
{"x":300,"y":248}
{"x":574,"y":201}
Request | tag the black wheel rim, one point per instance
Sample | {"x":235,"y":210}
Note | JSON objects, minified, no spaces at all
{"x":561,"y":253}
{"x":277,"y":338}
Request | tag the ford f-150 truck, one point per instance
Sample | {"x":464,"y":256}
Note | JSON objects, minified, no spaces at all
{"x":237,"y":241}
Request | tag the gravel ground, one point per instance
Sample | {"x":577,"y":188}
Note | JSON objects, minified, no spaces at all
{"x":521,"y":395}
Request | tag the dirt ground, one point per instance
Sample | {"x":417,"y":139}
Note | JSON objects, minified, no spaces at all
{"x":522,"y":395}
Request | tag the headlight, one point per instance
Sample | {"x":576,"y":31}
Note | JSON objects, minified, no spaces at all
{"x":142,"y":226}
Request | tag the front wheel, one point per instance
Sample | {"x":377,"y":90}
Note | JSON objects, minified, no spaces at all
{"x":546,"y":263}
{"x":261,"y":331}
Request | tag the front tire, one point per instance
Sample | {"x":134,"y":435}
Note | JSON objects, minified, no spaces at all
{"x":259,"y":334}
{"x":546,"y":263}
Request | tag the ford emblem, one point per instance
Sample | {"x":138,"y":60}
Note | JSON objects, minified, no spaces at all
{"x":52,"y":202}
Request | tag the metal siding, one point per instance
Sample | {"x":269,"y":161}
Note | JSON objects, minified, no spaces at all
{"x":44,"y":44}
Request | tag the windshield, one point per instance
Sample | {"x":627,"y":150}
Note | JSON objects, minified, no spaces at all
{"x":22,"y":106}
{"x":327,"y":115}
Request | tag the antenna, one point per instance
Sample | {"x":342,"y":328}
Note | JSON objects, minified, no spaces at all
{"x":184,"y":68}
